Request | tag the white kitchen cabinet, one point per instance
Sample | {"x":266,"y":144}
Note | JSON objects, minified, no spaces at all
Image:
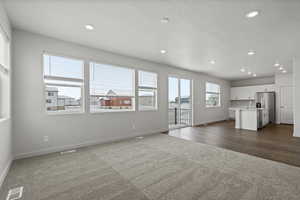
{"x":264,"y":88}
{"x":234,"y":93}
{"x":269,"y":88}
{"x":245,"y":118}
{"x":249,"y":92}
{"x":237,"y":93}
{"x":242,"y":93}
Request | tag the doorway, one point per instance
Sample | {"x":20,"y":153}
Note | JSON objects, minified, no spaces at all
{"x":286,"y":105}
{"x":180,"y":102}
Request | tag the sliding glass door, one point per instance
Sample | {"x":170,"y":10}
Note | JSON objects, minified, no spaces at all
{"x":180,"y":102}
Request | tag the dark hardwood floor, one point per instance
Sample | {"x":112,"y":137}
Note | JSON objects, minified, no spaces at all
{"x":274,"y":142}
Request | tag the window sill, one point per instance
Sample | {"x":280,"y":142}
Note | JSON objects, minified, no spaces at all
{"x":150,"y":110}
{"x":64,"y":113}
{"x":208,"y":107}
{"x":111,"y":111}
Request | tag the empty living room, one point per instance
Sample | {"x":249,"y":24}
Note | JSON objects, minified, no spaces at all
{"x":149,"y":100}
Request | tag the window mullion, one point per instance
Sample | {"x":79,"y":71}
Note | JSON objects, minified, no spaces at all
{"x":58,"y":78}
{"x":63,"y":85}
{"x":144,"y":87}
{"x":136,"y":89}
{"x":86,"y":86}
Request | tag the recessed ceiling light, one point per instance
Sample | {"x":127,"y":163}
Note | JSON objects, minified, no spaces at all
{"x":212,"y":62}
{"x":254,"y":75}
{"x":89,"y":27}
{"x":163,"y":51}
{"x":276,"y":64}
{"x":252,"y":14}
{"x":251,"y":53}
{"x":284,"y":71}
{"x":165,"y":20}
{"x":249,"y":73}
{"x":280,"y":68}
{"x":243,"y":70}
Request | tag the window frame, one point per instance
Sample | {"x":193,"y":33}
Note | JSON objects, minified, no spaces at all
{"x":134,"y":87}
{"x":216,"y":93}
{"x":5,"y":71}
{"x":138,"y":87}
{"x":59,"y":78}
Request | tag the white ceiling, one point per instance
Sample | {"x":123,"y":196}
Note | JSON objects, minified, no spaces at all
{"x":198,"y":31}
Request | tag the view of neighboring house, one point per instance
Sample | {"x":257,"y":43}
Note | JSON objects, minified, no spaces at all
{"x":110,"y":101}
{"x":147,"y":101}
{"x":114,"y":101}
{"x":55,"y":102}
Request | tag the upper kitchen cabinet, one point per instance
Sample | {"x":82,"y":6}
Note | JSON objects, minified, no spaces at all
{"x":242,"y":93}
{"x":249,"y":92}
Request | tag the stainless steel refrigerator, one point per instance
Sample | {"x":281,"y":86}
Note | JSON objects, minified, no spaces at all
{"x":266,"y":115}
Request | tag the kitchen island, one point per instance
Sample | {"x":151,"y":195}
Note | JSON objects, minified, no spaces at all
{"x":249,"y":117}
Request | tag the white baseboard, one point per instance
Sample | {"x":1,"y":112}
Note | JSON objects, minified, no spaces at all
{"x":5,"y":172}
{"x":84,"y":144}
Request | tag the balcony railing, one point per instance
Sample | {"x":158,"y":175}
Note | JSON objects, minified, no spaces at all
{"x":181,"y":116}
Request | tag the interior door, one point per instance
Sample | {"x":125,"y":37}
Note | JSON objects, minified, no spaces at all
{"x":286,"y":105}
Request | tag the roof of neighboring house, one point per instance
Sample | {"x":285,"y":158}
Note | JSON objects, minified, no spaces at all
{"x":111,"y":93}
{"x":105,"y":98}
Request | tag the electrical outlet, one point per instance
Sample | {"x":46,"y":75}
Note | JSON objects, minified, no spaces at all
{"x":46,"y":138}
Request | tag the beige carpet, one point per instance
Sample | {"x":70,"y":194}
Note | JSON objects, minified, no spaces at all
{"x":156,"y":167}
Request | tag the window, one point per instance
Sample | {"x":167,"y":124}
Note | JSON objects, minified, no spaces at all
{"x":63,"y":78}
{"x":4,"y":75}
{"x":213,"y":97}
{"x":147,"y":90}
{"x":112,"y":88}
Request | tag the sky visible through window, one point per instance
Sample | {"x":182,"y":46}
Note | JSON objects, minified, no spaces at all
{"x":67,"y":68}
{"x":173,"y":88}
{"x":104,"y":78}
{"x":63,"y":67}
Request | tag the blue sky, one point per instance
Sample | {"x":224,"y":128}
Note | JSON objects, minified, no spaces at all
{"x":105,"y":77}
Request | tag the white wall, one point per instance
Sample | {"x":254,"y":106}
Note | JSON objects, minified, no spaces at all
{"x":253,"y":81}
{"x":65,"y":131}
{"x":296,"y":78}
{"x":281,"y":80}
{"x":5,"y":124}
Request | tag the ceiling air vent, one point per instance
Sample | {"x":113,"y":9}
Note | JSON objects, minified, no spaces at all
{"x":15,"y":193}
